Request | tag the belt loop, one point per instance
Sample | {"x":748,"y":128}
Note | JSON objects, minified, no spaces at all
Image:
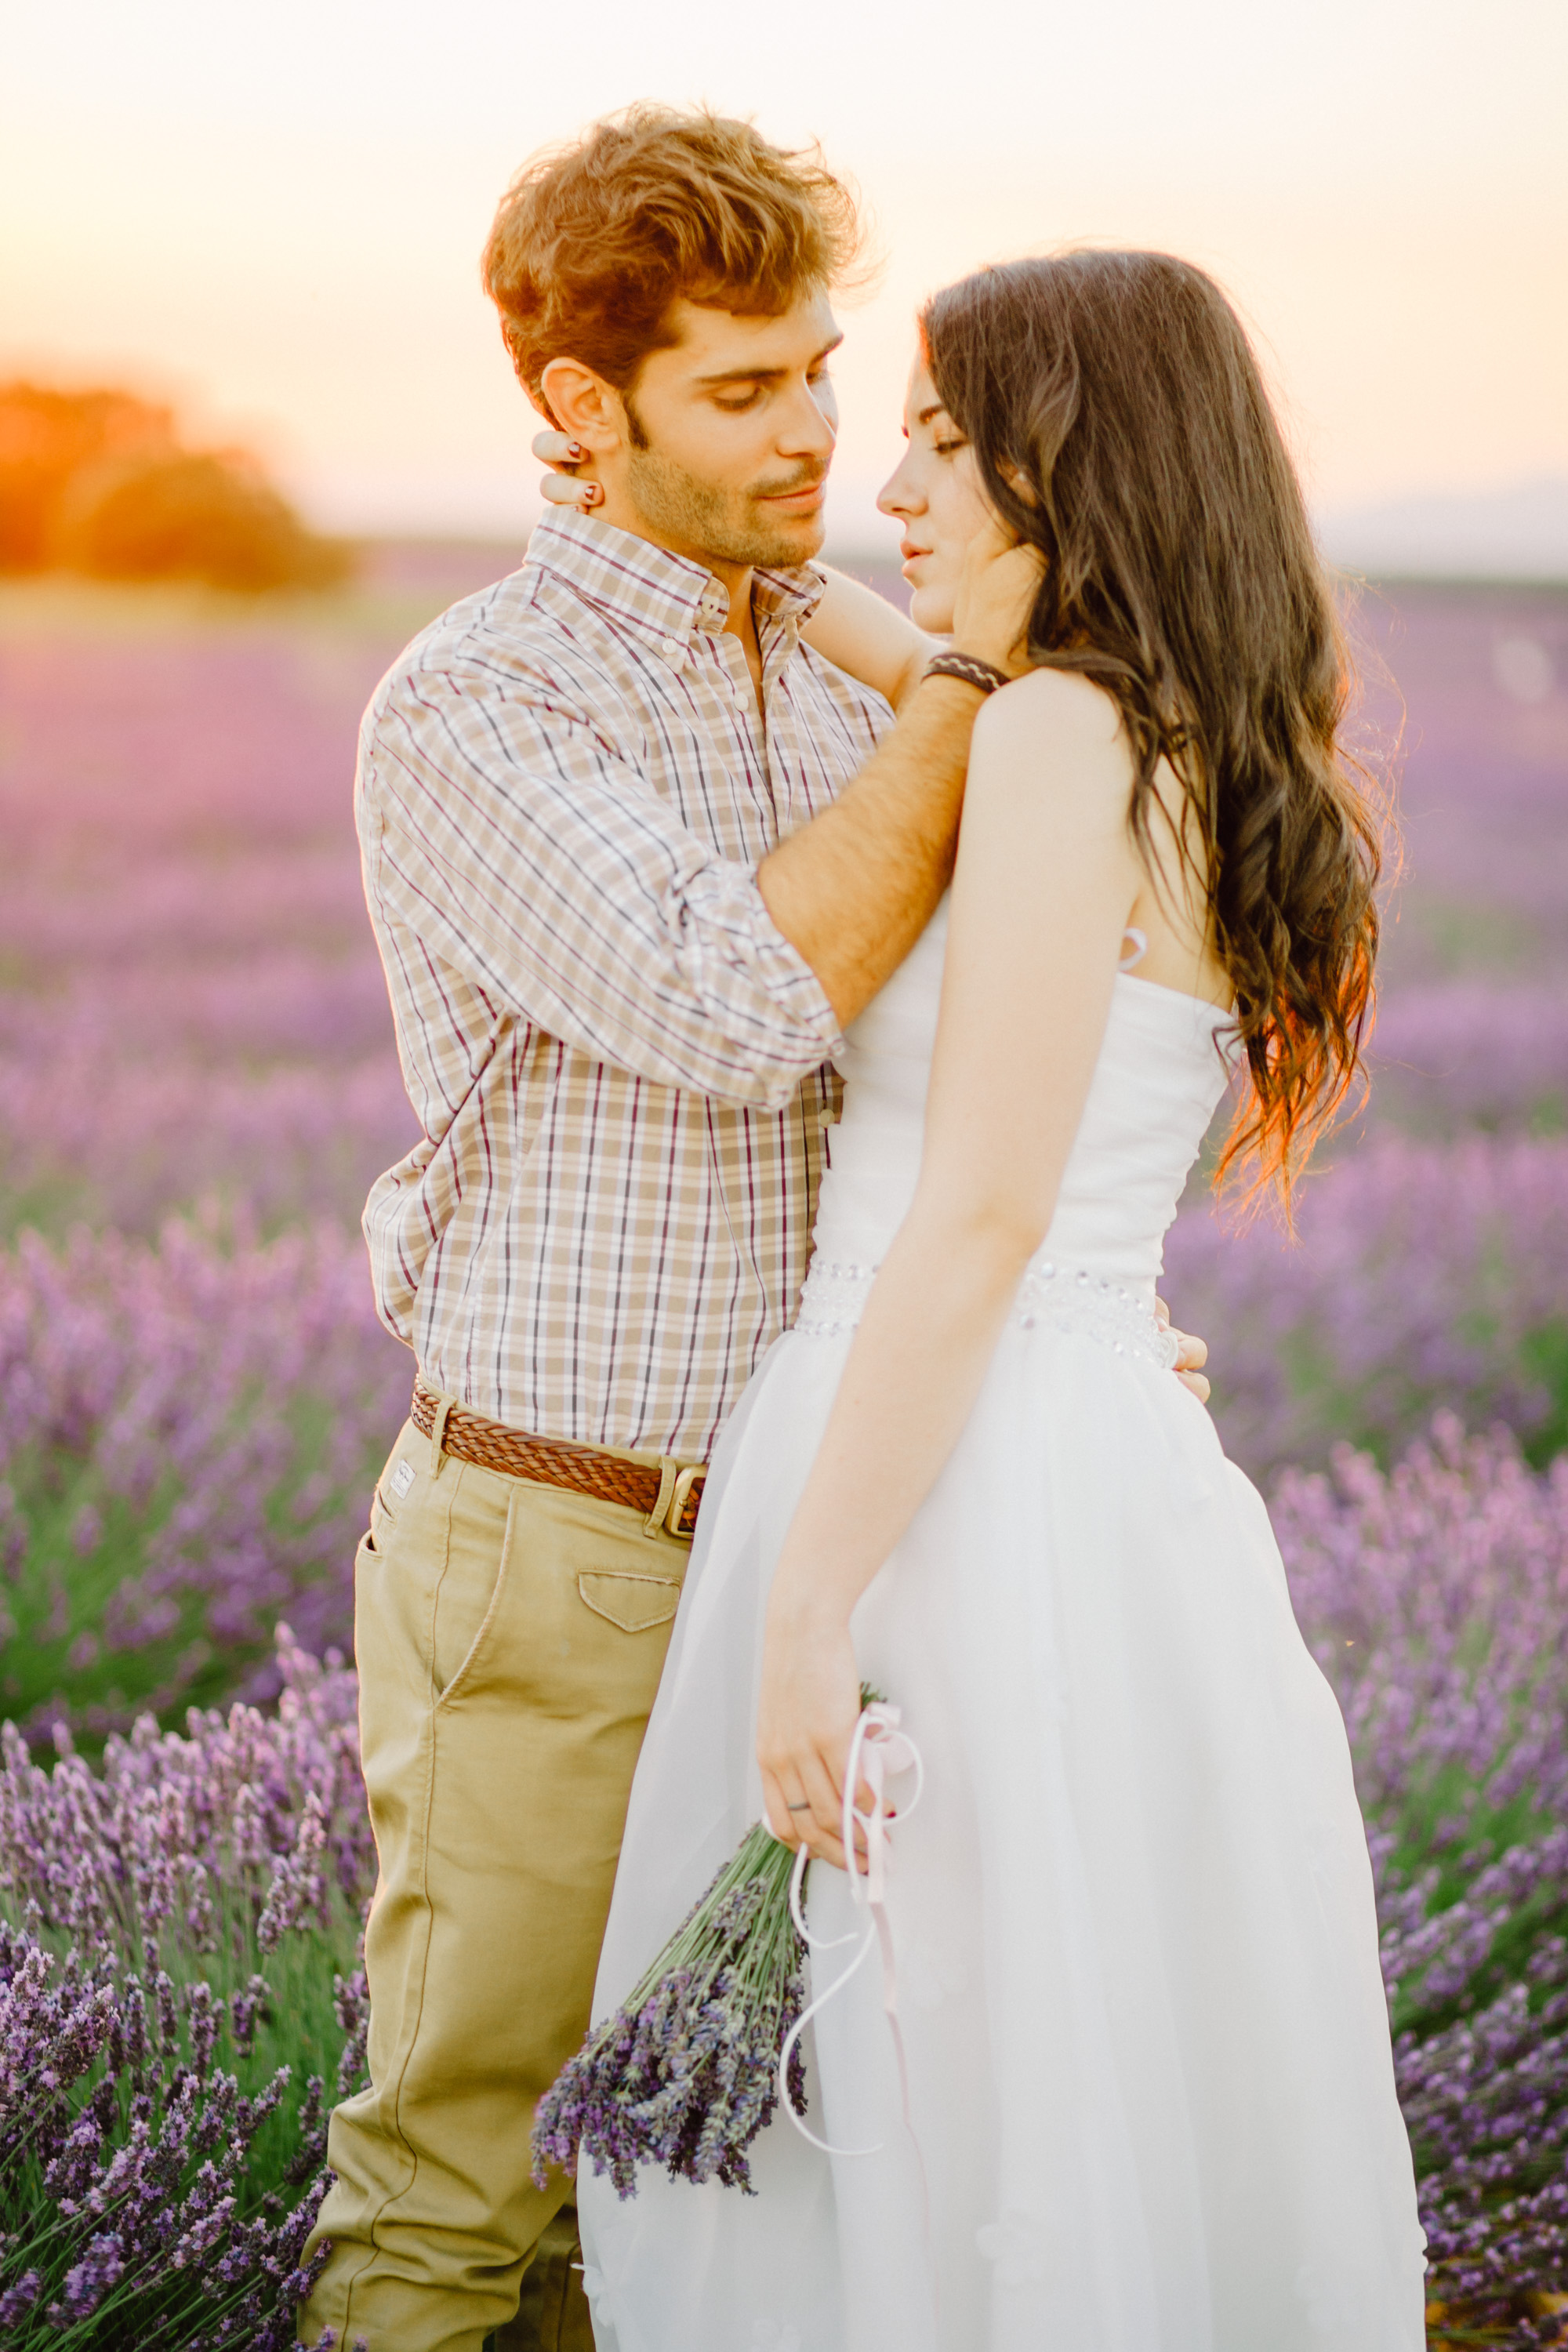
{"x":438,"y":1436}
{"x":669,"y":1479}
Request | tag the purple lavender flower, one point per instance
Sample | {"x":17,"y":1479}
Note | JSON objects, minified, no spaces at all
{"x":88,"y":2281}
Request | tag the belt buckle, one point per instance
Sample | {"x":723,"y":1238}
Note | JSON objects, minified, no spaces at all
{"x":681,"y":1494}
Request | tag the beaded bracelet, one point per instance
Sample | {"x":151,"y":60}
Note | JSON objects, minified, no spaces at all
{"x":971,"y":670}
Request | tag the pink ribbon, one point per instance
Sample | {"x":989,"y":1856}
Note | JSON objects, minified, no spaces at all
{"x":878,"y":1750}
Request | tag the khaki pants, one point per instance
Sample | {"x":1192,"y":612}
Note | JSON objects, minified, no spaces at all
{"x":510,"y":1638}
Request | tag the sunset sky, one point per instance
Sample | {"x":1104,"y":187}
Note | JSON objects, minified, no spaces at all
{"x":274,"y":214}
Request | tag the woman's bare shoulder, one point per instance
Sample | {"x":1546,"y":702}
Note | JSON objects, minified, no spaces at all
{"x":1057,"y":721}
{"x":1064,"y":688}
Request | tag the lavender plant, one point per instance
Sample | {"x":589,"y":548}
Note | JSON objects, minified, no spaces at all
{"x":125,"y":2151}
{"x":1426,"y":1277}
{"x":1473,"y":1053}
{"x":191,"y":1003}
{"x":1435,"y":1598}
{"x":179,"y":1985}
{"x":187,"y":1436}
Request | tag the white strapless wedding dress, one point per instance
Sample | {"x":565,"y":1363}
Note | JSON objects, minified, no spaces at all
{"x":1150,"y":2086}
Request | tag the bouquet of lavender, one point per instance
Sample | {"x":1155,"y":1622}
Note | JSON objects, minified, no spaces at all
{"x":688,"y":2070}
{"x":685,"y":2074}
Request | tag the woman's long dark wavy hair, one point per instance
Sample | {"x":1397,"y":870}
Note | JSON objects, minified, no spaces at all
{"x":1121,"y":426}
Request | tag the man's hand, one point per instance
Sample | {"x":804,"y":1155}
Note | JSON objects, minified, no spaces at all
{"x":1192,"y":1354}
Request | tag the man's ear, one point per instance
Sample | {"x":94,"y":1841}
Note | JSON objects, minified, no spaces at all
{"x":583,"y":404}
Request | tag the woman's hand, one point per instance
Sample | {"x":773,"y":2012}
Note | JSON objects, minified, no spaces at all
{"x":563,"y":486}
{"x":809,"y":1705}
{"x":996,"y":592}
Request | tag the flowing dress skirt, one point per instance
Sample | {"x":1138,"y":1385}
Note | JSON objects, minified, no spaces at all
{"x":1151,"y":2091}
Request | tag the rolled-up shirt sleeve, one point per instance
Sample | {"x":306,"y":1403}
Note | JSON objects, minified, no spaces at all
{"x":527,"y":854}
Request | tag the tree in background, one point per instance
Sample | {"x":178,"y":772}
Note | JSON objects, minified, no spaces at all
{"x":98,"y":482}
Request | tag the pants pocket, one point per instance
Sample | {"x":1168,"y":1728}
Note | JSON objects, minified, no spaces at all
{"x":374,"y":1540}
{"x":472,"y":1589}
{"x":629,"y":1598}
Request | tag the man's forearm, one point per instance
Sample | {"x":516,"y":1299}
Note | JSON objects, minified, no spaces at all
{"x":853,"y":890}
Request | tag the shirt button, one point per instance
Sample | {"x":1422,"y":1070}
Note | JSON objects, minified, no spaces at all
{"x":672,"y":649}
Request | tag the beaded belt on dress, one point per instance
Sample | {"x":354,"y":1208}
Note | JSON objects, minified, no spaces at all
{"x":1062,"y":1298}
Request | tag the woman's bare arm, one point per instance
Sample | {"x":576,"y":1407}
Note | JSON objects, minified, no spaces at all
{"x":1046,"y":877}
{"x":861,"y":633}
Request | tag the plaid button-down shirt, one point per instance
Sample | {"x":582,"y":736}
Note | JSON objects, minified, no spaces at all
{"x":616,"y":1060}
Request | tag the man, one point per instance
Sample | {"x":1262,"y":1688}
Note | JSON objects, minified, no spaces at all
{"x":635,"y":856}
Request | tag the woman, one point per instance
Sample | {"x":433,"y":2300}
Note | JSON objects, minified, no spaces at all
{"x":1150,"y":2091}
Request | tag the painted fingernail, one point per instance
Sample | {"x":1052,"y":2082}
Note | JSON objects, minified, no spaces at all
{"x":574,"y":449}
{"x":591,"y":494}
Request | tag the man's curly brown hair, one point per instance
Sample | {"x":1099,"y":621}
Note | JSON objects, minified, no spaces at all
{"x":594,"y":243}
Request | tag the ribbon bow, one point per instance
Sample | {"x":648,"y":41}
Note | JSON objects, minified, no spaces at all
{"x":877,"y":1749}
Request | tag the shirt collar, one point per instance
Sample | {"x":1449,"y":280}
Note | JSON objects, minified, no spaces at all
{"x":664,"y":597}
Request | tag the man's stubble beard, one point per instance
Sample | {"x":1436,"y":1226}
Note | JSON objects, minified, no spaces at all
{"x":721,"y":525}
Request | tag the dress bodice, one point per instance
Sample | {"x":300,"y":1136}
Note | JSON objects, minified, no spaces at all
{"x":1158,"y":1078}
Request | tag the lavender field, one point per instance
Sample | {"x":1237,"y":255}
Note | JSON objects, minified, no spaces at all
{"x":198,"y":1083}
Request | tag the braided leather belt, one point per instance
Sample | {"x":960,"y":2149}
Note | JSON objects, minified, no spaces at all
{"x":667,"y":1497}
